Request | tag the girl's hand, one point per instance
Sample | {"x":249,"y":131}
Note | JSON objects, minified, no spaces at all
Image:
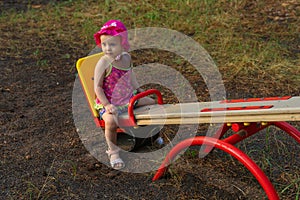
{"x":110,"y":108}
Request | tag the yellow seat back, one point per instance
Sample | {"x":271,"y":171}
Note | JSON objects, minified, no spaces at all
{"x":85,"y":67}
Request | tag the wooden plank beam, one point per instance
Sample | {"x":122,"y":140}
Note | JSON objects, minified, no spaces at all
{"x":224,"y":119}
{"x":287,"y":109}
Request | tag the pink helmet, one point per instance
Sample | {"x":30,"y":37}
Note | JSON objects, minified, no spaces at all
{"x":113,"y":28}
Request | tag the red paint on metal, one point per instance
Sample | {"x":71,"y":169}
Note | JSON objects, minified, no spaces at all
{"x":247,"y":132}
{"x":256,"y":99}
{"x":292,"y":131}
{"x":237,"y":127}
{"x":139,"y":96}
{"x":98,"y":122}
{"x":236,"y":108}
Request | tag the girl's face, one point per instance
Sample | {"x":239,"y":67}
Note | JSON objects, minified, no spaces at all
{"x":111,"y":45}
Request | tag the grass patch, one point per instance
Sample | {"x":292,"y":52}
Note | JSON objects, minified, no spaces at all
{"x":245,"y":38}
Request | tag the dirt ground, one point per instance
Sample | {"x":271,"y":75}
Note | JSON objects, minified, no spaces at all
{"x":42,"y":156}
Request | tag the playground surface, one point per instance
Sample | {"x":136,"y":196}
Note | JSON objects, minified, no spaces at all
{"x":42,"y":156}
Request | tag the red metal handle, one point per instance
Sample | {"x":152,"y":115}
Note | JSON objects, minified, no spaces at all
{"x":139,"y":96}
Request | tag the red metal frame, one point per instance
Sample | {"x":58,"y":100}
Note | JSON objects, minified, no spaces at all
{"x":236,"y":108}
{"x":132,"y":119}
{"x":292,"y":131}
{"x":242,"y":131}
{"x":256,"y":99}
{"x":226,"y":147}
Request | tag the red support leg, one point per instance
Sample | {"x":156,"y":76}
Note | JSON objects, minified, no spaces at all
{"x":292,"y":131}
{"x":228,"y":148}
{"x":246,"y":132}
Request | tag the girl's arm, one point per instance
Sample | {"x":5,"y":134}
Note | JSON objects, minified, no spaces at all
{"x":99,"y":75}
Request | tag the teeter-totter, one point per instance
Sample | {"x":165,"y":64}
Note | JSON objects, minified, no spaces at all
{"x":244,"y":117}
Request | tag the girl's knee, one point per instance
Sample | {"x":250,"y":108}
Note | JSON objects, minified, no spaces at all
{"x":110,"y":121}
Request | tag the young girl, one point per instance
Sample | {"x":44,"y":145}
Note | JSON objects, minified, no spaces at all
{"x":114,"y":83}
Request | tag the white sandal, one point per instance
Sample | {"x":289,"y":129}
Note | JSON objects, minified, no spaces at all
{"x":117,"y":161}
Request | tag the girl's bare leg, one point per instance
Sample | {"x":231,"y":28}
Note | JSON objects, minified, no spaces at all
{"x":110,"y":130}
{"x":111,"y":139}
